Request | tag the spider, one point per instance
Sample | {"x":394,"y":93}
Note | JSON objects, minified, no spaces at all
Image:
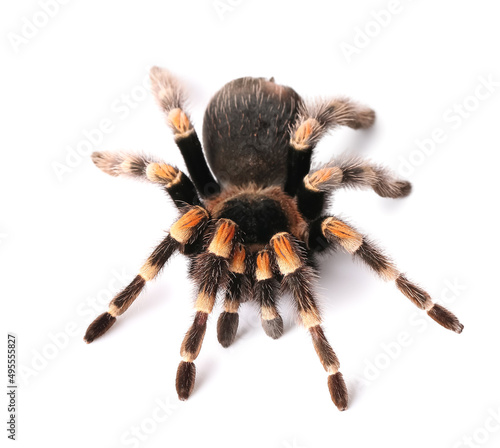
{"x":253,"y":223}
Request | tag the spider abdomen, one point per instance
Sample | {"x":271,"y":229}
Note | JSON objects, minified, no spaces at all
{"x":245,"y":131}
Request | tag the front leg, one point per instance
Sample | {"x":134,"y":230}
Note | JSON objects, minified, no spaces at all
{"x":332,"y":232}
{"x":185,"y":230}
{"x":298,"y":278}
{"x":237,"y":291}
{"x":210,"y":271}
{"x":266,"y":289}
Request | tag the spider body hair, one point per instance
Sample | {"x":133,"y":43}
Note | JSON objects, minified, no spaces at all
{"x":252,"y":213}
{"x":259,"y":212}
{"x":245,"y":131}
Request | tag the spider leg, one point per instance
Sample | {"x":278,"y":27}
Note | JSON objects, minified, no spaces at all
{"x":346,"y":112}
{"x":266,"y":289}
{"x":359,"y":173}
{"x":142,"y":167}
{"x":237,"y":290}
{"x":171,"y":99}
{"x":210,"y":269}
{"x":350,"y":172}
{"x":334,"y":232}
{"x":314,"y":120}
{"x":185,"y":230}
{"x":298,"y":278}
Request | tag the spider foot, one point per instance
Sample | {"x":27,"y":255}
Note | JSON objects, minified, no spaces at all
{"x":184,"y":382}
{"x":273,"y":327}
{"x":338,"y":390}
{"x":97,"y":328}
{"x":445,"y":318}
{"x":227,"y":325}
{"x":365,"y":117}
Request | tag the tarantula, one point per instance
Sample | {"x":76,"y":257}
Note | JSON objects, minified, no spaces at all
{"x":253,"y":228}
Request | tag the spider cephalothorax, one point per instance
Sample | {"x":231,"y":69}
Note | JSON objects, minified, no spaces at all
{"x":253,"y":223}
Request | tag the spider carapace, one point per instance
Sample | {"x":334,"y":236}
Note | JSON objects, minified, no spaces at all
{"x":253,"y":223}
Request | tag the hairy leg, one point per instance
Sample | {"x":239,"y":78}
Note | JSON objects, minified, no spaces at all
{"x":346,"y":172}
{"x":237,"y":291}
{"x":185,"y":230}
{"x":171,"y":98}
{"x":298,"y":278}
{"x":210,"y":271}
{"x":266,"y":289}
{"x":314,"y":121}
{"x":332,"y":231}
{"x":143,"y":167}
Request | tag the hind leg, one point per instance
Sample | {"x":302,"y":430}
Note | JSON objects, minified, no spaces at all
{"x":313,"y":122}
{"x":171,"y":98}
{"x":147,"y":168}
{"x":346,"y":172}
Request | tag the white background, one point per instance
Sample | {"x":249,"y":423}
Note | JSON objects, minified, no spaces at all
{"x":75,"y":239}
